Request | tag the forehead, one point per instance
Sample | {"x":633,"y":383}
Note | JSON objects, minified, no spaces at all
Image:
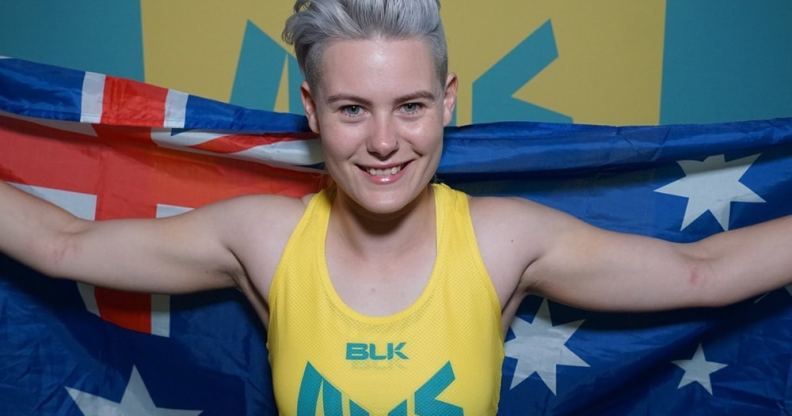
{"x":377,"y":68}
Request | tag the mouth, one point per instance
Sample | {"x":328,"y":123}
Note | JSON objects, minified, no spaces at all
{"x":384,"y":171}
{"x":383,"y":175}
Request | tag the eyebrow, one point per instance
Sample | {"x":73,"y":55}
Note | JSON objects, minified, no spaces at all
{"x":423,"y":94}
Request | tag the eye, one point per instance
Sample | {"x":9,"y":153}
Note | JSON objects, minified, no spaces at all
{"x":352,"y":110}
{"x":412,"y":108}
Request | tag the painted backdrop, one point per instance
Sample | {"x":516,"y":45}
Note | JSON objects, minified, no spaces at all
{"x":606,"y":62}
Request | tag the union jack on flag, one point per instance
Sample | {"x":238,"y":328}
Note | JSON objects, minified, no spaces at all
{"x":104,"y":147}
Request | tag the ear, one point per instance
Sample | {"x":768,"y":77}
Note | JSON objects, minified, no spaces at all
{"x":449,"y":98}
{"x":310,"y":106}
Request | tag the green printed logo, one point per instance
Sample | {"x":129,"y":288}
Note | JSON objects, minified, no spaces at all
{"x":313,"y":385}
{"x":356,"y":351}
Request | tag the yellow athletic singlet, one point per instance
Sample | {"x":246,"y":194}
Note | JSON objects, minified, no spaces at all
{"x":441,"y":355}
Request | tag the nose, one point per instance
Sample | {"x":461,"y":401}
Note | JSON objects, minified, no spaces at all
{"x":383,"y":140}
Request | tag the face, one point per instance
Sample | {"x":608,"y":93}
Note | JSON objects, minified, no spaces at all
{"x":380,"y":111}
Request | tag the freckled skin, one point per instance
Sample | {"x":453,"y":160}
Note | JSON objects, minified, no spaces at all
{"x":695,"y":276}
{"x":59,"y":252}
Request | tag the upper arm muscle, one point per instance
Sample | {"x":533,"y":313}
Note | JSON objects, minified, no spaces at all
{"x":190,"y":252}
{"x":529,"y":248}
{"x":593,"y":268}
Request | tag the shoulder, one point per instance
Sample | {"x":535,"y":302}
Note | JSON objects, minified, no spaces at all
{"x":512,"y":233}
{"x":266,"y":219}
{"x":501,"y":214}
{"x":502,"y":222}
{"x":256,"y":229}
{"x":519,"y":224}
{"x":265,"y":204}
{"x":512,"y":215}
{"x":252,"y":212}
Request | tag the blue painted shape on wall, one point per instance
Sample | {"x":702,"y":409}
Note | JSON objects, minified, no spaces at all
{"x":727,"y":60}
{"x":295,"y":81}
{"x":493,"y":91}
{"x":259,"y":71}
{"x":80,"y":34}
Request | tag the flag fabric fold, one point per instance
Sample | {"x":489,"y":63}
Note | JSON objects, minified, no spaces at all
{"x":104,"y":147}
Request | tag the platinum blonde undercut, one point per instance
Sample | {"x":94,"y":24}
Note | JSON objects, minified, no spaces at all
{"x":317,"y":23}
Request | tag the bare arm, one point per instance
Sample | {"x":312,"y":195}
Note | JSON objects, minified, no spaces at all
{"x":195,"y":251}
{"x":581,"y":265}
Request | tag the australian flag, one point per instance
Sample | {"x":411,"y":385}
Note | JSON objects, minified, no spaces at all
{"x":103,"y":147}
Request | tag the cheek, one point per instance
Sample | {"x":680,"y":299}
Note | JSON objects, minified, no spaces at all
{"x":425,"y":137}
{"x":339,"y":143}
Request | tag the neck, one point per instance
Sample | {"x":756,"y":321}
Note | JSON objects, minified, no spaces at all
{"x":372,"y":235}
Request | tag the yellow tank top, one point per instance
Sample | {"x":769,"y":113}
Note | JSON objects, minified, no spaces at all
{"x":442,"y":355}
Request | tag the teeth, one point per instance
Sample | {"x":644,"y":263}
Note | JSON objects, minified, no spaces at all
{"x":384,"y":172}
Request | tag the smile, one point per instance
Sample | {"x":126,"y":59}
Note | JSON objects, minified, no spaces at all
{"x":384,"y":174}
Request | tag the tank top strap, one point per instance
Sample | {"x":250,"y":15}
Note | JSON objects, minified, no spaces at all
{"x":457,"y":242}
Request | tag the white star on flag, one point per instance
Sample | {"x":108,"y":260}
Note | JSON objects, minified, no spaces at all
{"x":539,"y":347}
{"x":698,"y":370}
{"x":135,"y":402}
{"x":712,"y":185}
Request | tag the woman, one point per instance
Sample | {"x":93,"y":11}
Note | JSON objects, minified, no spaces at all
{"x":384,"y":294}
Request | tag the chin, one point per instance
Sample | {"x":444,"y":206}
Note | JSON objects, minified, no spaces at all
{"x":386,"y":202}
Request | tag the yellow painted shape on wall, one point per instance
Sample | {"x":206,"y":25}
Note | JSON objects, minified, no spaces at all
{"x":609,"y":69}
{"x":194,"y":45}
{"x":479,"y":34}
{"x":610,"y":64}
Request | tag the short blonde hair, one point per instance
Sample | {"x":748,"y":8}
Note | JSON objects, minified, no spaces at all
{"x":316,"y":23}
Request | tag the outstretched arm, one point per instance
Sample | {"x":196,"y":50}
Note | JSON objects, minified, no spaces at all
{"x":606,"y":270}
{"x":581,"y":265}
{"x":194,"y":251}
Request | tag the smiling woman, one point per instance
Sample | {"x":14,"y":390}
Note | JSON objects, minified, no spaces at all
{"x":380,"y":111}
{"x":384,"y":286}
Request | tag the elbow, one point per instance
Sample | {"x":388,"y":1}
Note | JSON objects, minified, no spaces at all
{"x":704,"y":284}
{"x":698,"y":281}
{"x":55,"y":252}
{"x":700,"y":276}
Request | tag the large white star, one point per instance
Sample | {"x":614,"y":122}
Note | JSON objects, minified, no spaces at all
{"x":698,"y":369}
{"x":135,"y":402}
{"x":539,"y":347}
{"x":712,"y":185}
